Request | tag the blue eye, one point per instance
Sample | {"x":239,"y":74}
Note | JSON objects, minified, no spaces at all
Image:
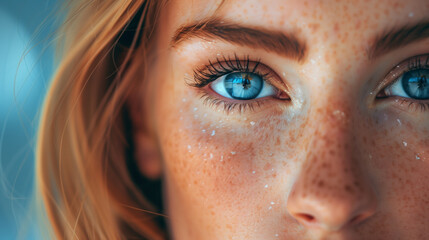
{"x":242,"y":86}
{"x":413,"y":84}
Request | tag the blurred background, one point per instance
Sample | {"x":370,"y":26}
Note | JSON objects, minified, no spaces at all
{"x":26,"y":66}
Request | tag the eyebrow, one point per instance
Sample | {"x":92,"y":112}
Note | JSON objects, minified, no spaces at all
{"x":288,"y":44}
{"x":274,"y":41}
{"x":398,"y":37}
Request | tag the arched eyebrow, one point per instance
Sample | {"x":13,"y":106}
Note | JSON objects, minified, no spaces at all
{"x":398,"y":37}
{"x":288,"y":44}
{"x":284,"y":44}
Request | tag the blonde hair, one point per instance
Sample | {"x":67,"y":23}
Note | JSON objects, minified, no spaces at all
{"x":83,"y":152}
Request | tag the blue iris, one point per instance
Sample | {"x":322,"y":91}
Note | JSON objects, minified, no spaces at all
{"x":416,"y":83}
{"x":243,"y":85}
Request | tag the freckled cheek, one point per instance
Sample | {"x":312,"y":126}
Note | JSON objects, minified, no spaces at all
{"x":219,"y":164}
{"x":398,"y":138}
{"x":397,"y":148}
{"x":211,"y":165}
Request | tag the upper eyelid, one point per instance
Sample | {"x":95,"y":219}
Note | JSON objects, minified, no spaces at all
{"x":394,"y":74}
{"x":225,"y":65}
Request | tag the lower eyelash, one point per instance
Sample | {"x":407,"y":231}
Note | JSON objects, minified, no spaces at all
{"x":415,"y":106}
{"x":229,"y":106}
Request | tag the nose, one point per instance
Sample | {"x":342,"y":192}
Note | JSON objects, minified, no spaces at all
{"x":331,"y":191}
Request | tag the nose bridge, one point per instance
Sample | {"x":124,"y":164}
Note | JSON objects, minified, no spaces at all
{"x":331,"y":169}
{"x":331,"y":191}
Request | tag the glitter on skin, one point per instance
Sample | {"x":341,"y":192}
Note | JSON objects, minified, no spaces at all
{"x":225,"y":200}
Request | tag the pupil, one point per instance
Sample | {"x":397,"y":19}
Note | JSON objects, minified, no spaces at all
{"x":243,"y":86}
{"x":415,"y":84}
{"x":246,"y":83}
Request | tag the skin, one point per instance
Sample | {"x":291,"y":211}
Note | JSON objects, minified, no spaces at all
{"x":332,"y":163}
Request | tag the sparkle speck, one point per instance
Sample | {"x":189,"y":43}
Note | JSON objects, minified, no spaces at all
{"x":203,"y":130}
{"x":233,"y":153}
{"x":253,"y":172}
{"x":277,"y":235}
{"x":213,"y":132}
{"x":221,"y":158}
{"x":195,"y":109}
{"x":411,"y":14}
{"x":417,"y":157}
{"x":405,"y":143}
{"x":211,"y":155}
{"x":266,"y":186}
{"x":252,"y":123}
{"x":399,"y":121}
{"x":272,"y":203}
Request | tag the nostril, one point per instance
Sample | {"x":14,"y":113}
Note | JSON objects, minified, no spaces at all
{"x":360,"y":217}
{"x":305,"y":217}
{"x":356,"y":219}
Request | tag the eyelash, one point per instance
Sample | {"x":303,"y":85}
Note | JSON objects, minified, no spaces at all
{"x":410,"y":64}
{"x":205,"y":75}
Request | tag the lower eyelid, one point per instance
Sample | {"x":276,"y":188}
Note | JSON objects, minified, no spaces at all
{"x":405,"y":104}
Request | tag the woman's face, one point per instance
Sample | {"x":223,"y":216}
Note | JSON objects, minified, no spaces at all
{"x":294,"y":119}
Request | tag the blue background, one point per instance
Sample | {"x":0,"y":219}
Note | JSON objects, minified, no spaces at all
{"x":26,"y":66}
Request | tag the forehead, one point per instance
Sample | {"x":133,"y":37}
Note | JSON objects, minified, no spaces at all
{"x":312,"y":19}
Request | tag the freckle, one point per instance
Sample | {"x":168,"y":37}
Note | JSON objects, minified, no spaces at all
{"x":278,"y":141}
{"x":267,"y":166}
{"x":357,"y":25}
{"x":348,"y":188}
{"x":336,"y":27}
{"x":348,"y":67}
{"x":377,"y":15}
{"x":320,"y":183}
{"x":314,"y":27}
